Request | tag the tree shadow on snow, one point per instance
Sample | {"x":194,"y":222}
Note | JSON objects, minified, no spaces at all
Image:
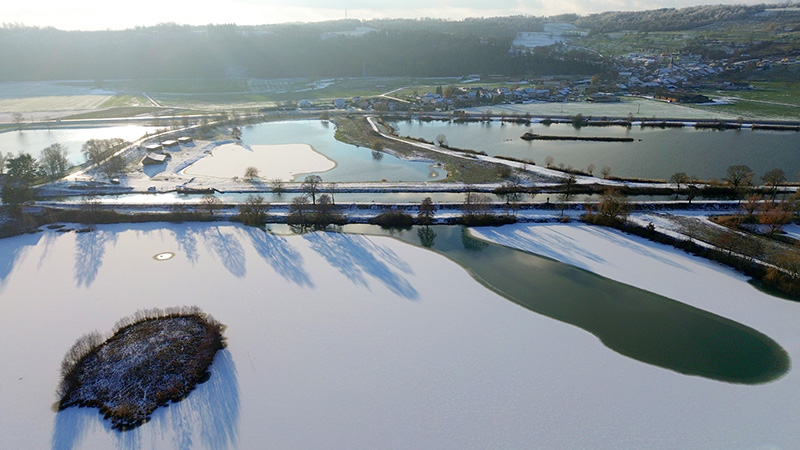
{"x":279,"y":254}
{"x":208,"y":417}
{"x":356,"y":257}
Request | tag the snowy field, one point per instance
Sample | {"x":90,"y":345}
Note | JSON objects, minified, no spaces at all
{"x":351,"y":341}
{"x":272,"y":161}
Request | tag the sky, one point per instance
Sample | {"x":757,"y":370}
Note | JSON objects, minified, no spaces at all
{"x":102,"y":14}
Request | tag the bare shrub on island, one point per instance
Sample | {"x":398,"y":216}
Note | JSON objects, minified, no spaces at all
{"x":152,"y":357}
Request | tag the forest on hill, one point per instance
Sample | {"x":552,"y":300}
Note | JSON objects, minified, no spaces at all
{"x":170,"y":51}
{"x":343,"y":48}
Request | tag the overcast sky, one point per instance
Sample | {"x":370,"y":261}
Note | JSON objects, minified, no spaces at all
{"x":105,"y":14}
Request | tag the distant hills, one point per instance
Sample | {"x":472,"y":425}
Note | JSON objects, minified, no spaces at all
{"x":344,"y":48}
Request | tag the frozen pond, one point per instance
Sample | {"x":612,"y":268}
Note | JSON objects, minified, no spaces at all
{"x":654,"y":153}
{"x":356,"y":341}
{"x":34,"y":141}
{"x":352,"y":163}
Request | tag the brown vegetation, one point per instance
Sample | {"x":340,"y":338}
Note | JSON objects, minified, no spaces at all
{"x":153,"y":357}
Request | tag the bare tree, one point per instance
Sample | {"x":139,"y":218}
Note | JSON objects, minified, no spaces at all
{"x":678,"y":178}
{"x":613,"y":205}
{"x":775,"y":216}
{"x":548,"y":161}
{"x":113,"y":166}
{"x":332,"y":190}
{"x":254,"y":210}
{"x":566,"y":193}
{"x":299,"y":211}
{"x":606,"y":171}
{"x":441,"y":139}
{"x":277,"y":186}
{"x":210,"y":203}
{"x":752,"y":204}
{"x":54,"y":161}
{"x":99,"y":152}
{"x":251,"y":173}
{"x":739,"y":176}
{"x":475,"y":204}
{"x":311,"y":186}
{"x":18,"y":118}
{"x":772,"y":179}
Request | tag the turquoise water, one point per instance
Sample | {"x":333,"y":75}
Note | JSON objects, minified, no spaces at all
{"x":641,"y":325}
{"x":353,"y":163}
{"x":654,"y":153}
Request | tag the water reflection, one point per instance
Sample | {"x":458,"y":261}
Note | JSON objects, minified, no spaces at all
{"x":427,"y":237}
{"x":211,"y":411}
{"x":639,"y":324}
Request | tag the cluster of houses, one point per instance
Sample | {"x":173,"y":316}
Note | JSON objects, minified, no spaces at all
{"x":158,"y":153}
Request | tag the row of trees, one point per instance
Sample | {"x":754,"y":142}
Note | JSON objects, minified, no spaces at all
{"x":739,"y":178}
{"x":24,"y":170}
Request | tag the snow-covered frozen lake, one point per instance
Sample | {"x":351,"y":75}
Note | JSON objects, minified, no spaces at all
{"x":357,"y":341}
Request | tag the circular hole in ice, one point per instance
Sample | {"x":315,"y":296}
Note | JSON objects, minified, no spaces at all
{"x":164,"y":256}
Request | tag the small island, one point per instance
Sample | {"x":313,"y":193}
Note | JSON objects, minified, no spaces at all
{"x":543,"y":137}
{"x":151,"y":358}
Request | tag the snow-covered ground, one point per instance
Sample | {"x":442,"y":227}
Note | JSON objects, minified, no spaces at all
{"x":349,"y":341}
{"x":283,"y":162}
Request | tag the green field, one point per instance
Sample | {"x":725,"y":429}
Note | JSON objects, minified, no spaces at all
{"x":772,"y":100}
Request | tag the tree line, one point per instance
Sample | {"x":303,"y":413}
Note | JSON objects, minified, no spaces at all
{"x":396,"y":48}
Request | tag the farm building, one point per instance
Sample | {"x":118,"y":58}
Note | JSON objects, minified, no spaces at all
{"x":155,"y":158}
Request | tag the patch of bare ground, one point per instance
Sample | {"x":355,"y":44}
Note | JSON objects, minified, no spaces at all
{"x":152,"y":358}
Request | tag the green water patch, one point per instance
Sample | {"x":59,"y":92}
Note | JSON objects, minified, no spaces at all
{"x":633,"y":322}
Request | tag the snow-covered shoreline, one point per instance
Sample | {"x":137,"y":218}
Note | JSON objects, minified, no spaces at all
{"x":653,"y":267}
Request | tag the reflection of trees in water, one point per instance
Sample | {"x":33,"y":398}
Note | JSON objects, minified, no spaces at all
{"x":351,"y":255}
{"x":279,"y":254}
{"x":427,"y":237}
{"x":211,"y":411}
{"x":470,"y":243}
{"x":90,"y":247}
{"x":228,"y":248}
